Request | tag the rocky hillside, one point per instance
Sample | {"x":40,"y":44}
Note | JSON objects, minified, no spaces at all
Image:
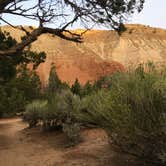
{"x":102,"y":52}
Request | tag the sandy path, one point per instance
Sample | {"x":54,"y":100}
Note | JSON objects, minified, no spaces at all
{"x":8,"y":132}
{"x":23,"y":147}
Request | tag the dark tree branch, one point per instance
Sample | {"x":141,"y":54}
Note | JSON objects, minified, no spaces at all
{"x":59,"y":12}
{"x":4,"y":3}
{"x":33,"y":37}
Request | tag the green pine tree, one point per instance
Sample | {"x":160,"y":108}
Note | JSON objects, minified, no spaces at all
{"x":35,"y":84}
{"x":28,"y":82}
{"x":54,"y":83}
{"x":87,"y":89}
{"x":76,"y":88}
{"x":8,"y":66}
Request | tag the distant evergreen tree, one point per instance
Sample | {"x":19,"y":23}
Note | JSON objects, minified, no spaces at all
{"x":64,"y":86}
{"x":28,"y":82}
{"x":35,"y":84}
{"x":76,"y":88}
{"x":54,"y":83}
{"x":87,"y":89}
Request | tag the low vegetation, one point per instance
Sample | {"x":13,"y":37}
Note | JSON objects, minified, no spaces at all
{"x":133,"y":113}
{"x":18,"y":85}
{"x":130,"y":106}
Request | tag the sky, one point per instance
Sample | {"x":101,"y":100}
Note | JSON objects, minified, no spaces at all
{"x":153,"y":14}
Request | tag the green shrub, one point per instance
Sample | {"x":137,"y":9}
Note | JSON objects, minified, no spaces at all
{"x":76,"y":88}
{"x":50,"y":116}
{"x":16,"y":102}
{"x":3,"y":101}
{"x":28,"y":82}
{"x":145,"y":96}
{"x":71,"y":107}
{"x":18,"y":85}
{"x":72,"y":132}
{"x":133,"y":113}
{"x":87,"y":89}
{"x":34,"y":112}
{"x":62,"y":113}
{"x":94,"y":108}
{"x":11,"y":103}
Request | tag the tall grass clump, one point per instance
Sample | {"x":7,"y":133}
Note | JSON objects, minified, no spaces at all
{"x":133,"y":113}
{"x":34,"y":112}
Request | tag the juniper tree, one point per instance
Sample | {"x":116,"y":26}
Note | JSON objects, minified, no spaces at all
{"x":54,"y":83}
{"x":64,"y":13}
{"x":76,"y":88}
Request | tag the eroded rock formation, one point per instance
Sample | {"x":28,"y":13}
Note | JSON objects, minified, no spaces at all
{"x":102,"y":52}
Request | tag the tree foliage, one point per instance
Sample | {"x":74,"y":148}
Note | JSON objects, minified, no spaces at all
{"x":133,"y":113}
{"x":54,"y":82}
{"x":18,"y":84}
{"x":12,"y":102}
{"x":55,"y":85}
{"x":28,"y":82}
{"x":87,"y":89}
{"x":8,"y":65}
{"x":63,"y":14}
{"x":76,"y":88}
{"x":60,"y":112}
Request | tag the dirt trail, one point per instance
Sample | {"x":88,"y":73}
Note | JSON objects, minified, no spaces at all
{"x":8,"y":132}
{"x":20,"y":146}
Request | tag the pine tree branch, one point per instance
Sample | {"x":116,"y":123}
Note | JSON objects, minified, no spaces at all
{"x":68,"y":35}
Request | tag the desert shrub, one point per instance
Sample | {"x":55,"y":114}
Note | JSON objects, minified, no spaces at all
{"x":145,"y":97}
{"x":62,"y":112}
{"x":11,"y":102}
{"x":94,"y":107}
{"x":102,"y":82}
{"x":50,"y":116}
{"x":133,"y":114}
{"x":34,"y":112}
{"x":72,"y":132}
{"x":71,"y":108}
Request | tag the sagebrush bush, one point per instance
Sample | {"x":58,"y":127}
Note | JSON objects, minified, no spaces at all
{"x":133,"y":113}
{"x":145,"y":96}
{"x":60,"y":112}
{"x":34,"y":112}
{"x":63,"y":110}
{"x":72,"y":131}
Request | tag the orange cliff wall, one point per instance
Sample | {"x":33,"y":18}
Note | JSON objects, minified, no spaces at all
{"x":102,"y":52}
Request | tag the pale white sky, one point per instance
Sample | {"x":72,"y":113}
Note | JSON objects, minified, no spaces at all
{"x":153,"y":14}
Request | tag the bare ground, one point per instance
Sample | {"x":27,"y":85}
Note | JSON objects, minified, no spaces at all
{"x":20,"y":146}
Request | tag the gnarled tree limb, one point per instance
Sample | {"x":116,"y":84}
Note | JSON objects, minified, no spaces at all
{"x":33,"y":37}
{"x":65,"y":12}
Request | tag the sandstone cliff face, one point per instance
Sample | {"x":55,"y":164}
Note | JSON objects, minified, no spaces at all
{"x":102,"y":52}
